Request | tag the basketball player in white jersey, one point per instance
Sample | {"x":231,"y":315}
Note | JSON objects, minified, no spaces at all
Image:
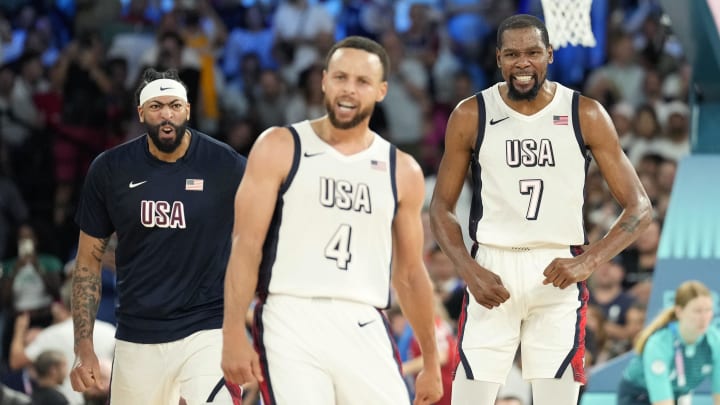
{"x":327,"y":218}
{"x":528,"y":142}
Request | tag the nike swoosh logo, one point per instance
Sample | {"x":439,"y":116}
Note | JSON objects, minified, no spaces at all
{"x":493,"y":121}
{"x":165,"y":88}
{"x":363,"y":324}
{"x":133,"y":185}
{"x":307,"y":154}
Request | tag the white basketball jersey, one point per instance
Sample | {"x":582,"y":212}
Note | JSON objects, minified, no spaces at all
{"x":528,"y":173}
{"x":331,"y":235}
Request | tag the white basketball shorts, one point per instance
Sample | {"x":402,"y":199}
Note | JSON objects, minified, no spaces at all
{"x":325,"y":351}
{"x":162,"y":373}
{"x":547,"y":322}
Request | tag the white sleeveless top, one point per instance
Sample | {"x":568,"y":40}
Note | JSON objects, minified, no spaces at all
{"x":528,"y":173}
{"x":331,"y":235}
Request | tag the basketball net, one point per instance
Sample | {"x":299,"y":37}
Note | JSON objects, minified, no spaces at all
{"x":568,"y":22}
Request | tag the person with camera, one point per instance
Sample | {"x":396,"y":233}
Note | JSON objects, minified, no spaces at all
{"x":30,"y":283}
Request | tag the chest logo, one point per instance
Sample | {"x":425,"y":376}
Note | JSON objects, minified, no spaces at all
{"x":493,"y":121}
{"x":133,"y":185}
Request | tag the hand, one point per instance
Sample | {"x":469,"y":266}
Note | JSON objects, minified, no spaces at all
{"x":240,"y":362}
{"x":85,"y":374}
{"x":564,"y":272}
{"x":428,"y":386}
{"x":486,"y":287}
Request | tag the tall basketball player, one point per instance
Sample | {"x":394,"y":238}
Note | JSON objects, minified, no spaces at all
{"x":326,"y":210}
{"x":167,"y":195}
{"x":528,"y":143}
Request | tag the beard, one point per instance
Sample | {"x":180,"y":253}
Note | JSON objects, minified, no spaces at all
{"x":359,"y":117}
{"x":166,"y":145}
{"x":529,"y":95}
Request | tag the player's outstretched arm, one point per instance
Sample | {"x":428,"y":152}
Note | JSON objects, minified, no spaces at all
{"x":86,"y":288}
{"x":486,"y":287}
{"x":602,"y":140}
{"x":410,"y":278}
{"x":268,"y":164}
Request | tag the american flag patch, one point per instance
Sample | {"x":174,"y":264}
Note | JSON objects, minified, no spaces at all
{"x":560,"y":119}
{"x":194,"y":184}
{"x":378,"y":165}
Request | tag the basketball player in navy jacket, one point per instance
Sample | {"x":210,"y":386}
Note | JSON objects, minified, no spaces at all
{"x":167,"y":195}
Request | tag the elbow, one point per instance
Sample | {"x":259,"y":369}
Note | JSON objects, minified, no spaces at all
{"x":645,"y":211}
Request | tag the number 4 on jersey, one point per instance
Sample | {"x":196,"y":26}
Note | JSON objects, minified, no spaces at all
{"x":338,"y":248}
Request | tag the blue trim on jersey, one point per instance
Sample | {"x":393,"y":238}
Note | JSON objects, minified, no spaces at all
{"x":393,"y":184}
{"x":393,"y":344}
{"x":393,"y":176}
{"x":575,"y":251}
{"x":576,"y":123}
{"x":583,"y":147}
{"x":271,"y":239}
{"x":461,"y":333}
{"x":258,"y":335}
{"x":476,"y":208}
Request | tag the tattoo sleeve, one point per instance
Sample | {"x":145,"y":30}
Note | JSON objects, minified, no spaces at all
{"x":86,"y":288}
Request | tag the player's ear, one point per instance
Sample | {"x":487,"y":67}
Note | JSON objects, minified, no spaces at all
{"x":140,"y":114}
{"x":382,"y":92}
{"x":550,"y":54}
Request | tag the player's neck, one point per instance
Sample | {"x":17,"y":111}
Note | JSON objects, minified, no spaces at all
{"x":346,"y":141}
{"x":528,"y":107}
{"x":173,"y":156}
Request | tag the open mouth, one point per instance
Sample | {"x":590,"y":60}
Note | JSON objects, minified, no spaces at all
{"x":523,"y":79}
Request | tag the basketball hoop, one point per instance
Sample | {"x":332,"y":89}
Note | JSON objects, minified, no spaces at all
{"x":568,"y":22}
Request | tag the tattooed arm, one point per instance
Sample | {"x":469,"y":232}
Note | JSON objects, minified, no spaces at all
{"x":86,"y":286}
{"x":602,"y":140}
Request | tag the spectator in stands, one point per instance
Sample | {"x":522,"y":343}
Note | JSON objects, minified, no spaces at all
{"x":407,"y":100}
{"x":204,"y":32}
{"x":13,"y":212}
{"x":18,"y":119}
{"x":84,"y":87}
{"x":307,"y":102}
{"x":251,"y":36}
{"x":607,"y":294}
{"x":675,"y":144}
{"x":639,"y":260}
{"x":622,"y":116}
{"x":270,"y":104}
{"x":240,"y":134}
{"x":624,"y":74}
{"x":675,"y":352}
{"x":51,"y":367}
{"x":30,"y":284}
{"x":298,"y":26}
{"x":59,"y":337}
{"x":647,"y":130}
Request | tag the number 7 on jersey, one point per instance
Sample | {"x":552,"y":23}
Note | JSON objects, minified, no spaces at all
{"x":534,"y":188}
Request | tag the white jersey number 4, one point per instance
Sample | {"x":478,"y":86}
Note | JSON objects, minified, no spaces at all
{"x":338,"y":248}
{"x":533,"y":188}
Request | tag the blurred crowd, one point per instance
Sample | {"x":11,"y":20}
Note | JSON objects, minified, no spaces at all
{"x":69,"y":69}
